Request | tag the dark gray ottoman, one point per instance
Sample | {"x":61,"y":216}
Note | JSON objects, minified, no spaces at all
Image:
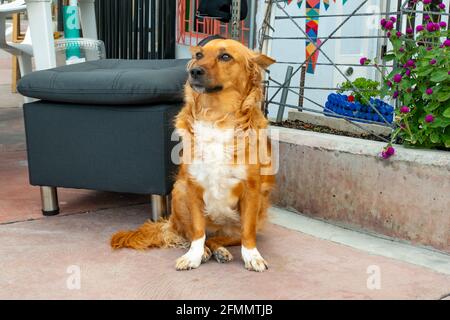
{"x":103,"y":125}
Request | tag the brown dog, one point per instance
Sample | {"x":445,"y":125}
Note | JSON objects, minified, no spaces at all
{"x":223,"y":185}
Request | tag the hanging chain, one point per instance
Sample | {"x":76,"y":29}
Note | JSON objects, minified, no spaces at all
{"x":235,"y":19}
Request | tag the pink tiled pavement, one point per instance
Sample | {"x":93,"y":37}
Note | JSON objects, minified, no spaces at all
{"x":35,"y":257}
{"x":20,"y":201}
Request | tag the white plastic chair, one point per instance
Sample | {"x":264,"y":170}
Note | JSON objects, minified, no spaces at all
{"x":23,"y":50}
{"x":40,"y":31}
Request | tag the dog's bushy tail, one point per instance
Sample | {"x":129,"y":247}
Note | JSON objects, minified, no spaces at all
{"x":150,"y":235}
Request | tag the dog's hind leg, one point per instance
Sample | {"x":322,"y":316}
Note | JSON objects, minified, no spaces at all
{"x":218,"y":244}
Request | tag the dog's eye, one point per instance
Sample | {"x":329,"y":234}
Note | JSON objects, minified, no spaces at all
{"x":198,"y":55}
{"x":225,"y":57}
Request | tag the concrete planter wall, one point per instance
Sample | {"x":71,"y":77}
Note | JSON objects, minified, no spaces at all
{"x":342,"y":179}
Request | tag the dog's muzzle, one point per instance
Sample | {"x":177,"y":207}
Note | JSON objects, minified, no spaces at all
{"x":198,"y":81}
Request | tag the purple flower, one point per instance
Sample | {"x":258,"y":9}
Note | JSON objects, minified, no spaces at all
{"x":426,"y":1}
{"x":412,"y":3}
{"x":383,"y":22}
{"x":387,"y":152}
{"x":401,"y":49}
{"x":419,"y":28}
{"x":429,"y":118}
{"x":409,"y":30}
{"x":410,"y":63}
{"x":388,"y":34}
{"x":395,"y":94}
{"x":404,"y":109}
{"x":429,"y":48}
{"x":397,"y":78}
{"x":433,"y":61}
{"x":441,"y":6}
{"x":431,"y":27}
{"x":429,"y":91}
{"x":393,"y":19}
{"x":398,"y":34}
{"x":389,"y":83}
{"x":408,"y":72}
{"x":443,"y":24}
{"x":446,"y":43}
{"x":426,"y":17}
{"x":363,"y":61}
{"x":389,"y":25}
{"x":390,"y":151}
{"x":448,"y":73}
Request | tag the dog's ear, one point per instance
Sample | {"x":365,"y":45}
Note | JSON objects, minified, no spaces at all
{"x":262,"y":60}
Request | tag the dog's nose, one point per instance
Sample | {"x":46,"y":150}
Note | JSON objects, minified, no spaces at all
{"x":197,"y":72}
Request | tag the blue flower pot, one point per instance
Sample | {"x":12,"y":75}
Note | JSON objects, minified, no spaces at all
{"x":338,"y":106}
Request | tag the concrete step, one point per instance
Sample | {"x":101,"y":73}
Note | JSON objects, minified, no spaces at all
{"x":367,"y":242}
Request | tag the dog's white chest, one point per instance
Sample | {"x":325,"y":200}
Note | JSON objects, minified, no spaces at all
{"x":213,"y":168}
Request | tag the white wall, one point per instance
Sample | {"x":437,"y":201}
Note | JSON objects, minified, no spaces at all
{"x":339,"y":51}
{"x":182,"y":51}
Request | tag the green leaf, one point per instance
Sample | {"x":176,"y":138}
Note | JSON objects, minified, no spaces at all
{"x":439,"y":76}
{"x":424,"y":72}
{"x":432,"y":106}
{"x":440,"y":123}
{"x":443,"y":96}
{"x":434,"y":137}
{"x":407,"y":99}
{"x":389,"y":57}
{"x":447,"y":113}
{"x":446,"y":140}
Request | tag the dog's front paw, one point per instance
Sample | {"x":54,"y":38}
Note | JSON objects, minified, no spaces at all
{"x":188,"y":262}
{"x":253,"y":260}
{"x":222,"y":255}
{"x":193,"y":258}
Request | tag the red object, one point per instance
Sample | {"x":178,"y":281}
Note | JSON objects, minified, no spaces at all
{"x":351,"y":98}
{"x":204,"y":26}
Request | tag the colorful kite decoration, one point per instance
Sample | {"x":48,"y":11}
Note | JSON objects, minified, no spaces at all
{"x":312,"y":29}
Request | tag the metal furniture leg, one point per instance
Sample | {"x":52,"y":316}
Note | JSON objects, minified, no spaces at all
{"x":49,"y":199}
{"x":159,"y":207}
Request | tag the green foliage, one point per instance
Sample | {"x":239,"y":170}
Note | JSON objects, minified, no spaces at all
{"x":367,"y":89}
{"x":424,"y":64}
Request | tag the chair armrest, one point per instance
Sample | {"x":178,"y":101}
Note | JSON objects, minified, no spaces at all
{"x":7,"y":9}
{"x":13,"y":7}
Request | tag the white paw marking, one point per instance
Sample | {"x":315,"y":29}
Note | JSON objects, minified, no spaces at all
{"x":193,"y":258}
{"x":253,"y":260}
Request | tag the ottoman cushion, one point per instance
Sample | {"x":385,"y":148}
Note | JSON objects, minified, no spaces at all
{"x":109,"y":82}
{"x":109,"y":148}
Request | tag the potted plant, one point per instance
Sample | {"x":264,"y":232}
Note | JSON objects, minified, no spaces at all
{"x":360,"y":103}
{"x":420,"y":81}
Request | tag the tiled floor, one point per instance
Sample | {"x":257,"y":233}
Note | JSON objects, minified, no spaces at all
{"x":39,"y":257}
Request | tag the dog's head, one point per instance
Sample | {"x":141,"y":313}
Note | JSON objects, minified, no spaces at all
{"x":225,"y":64}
